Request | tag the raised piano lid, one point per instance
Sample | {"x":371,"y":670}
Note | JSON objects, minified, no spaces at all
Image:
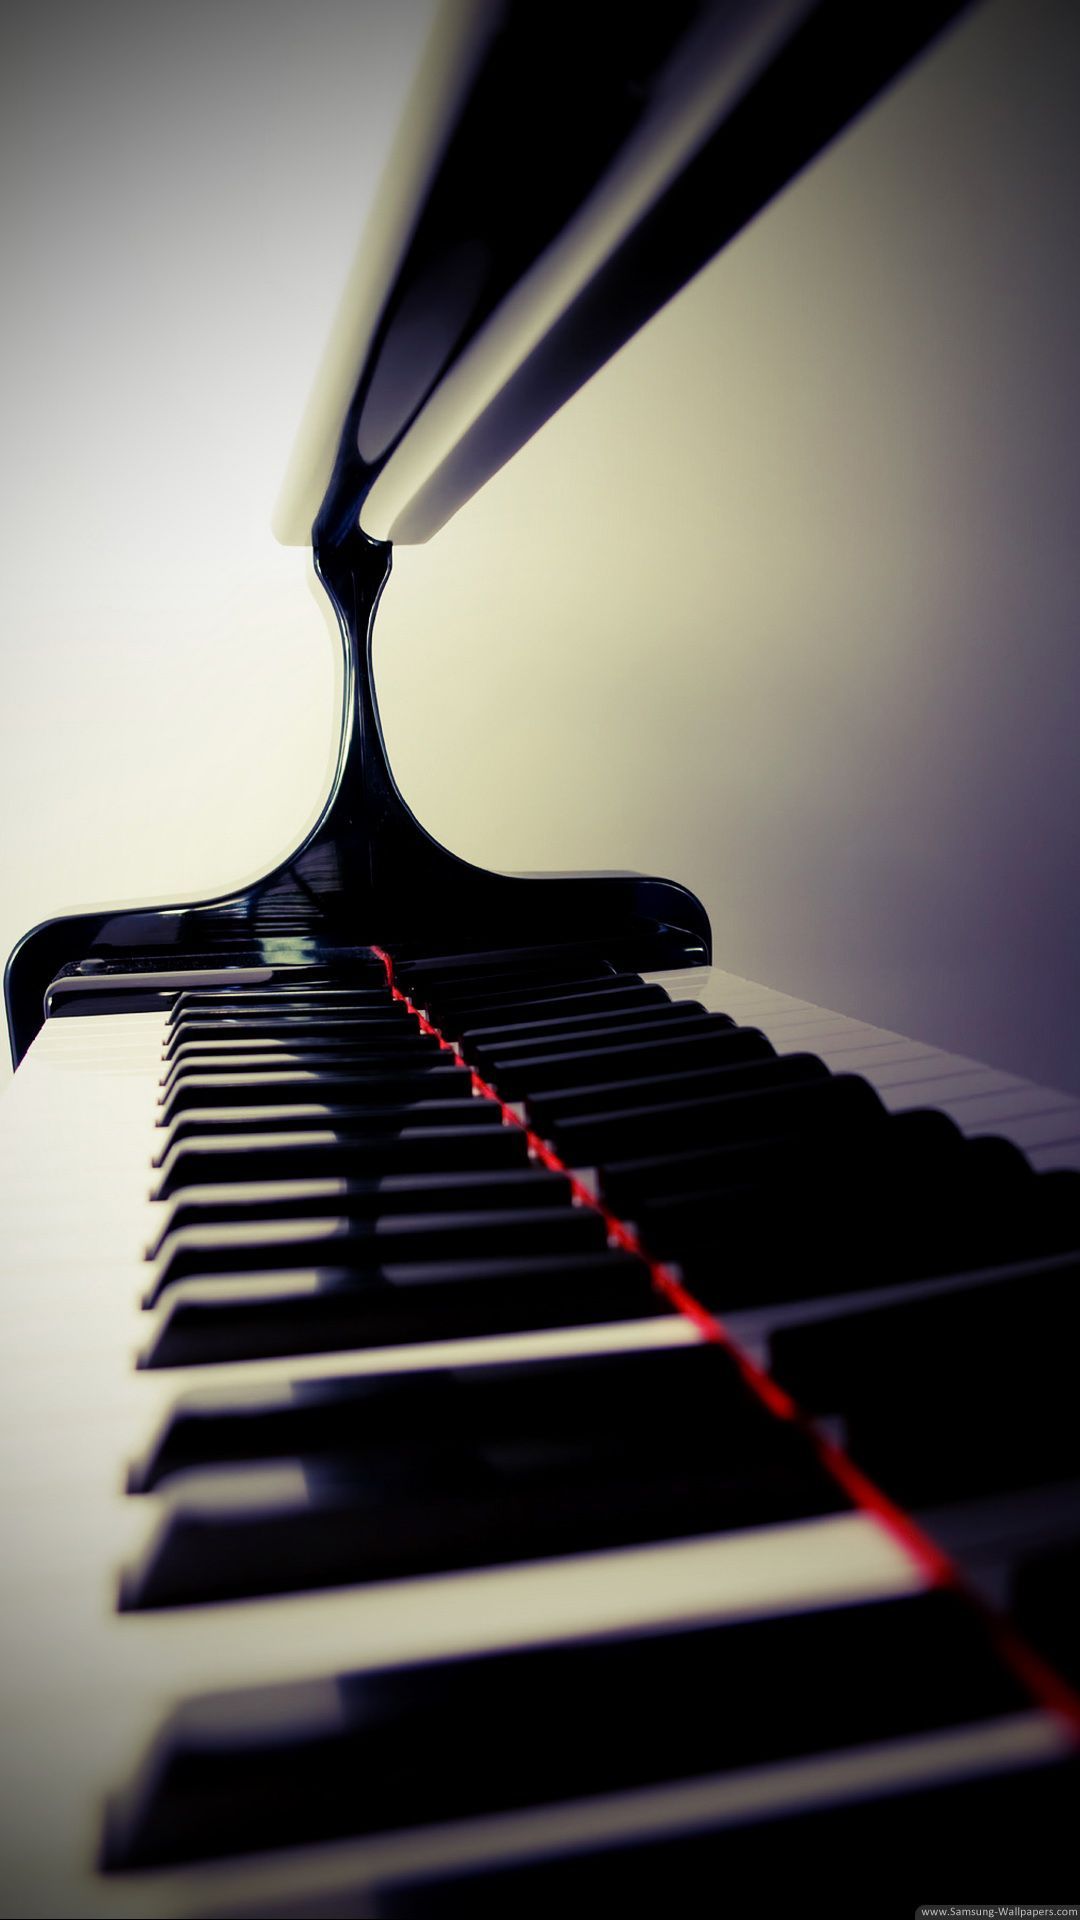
{"x":555,"y":181}
{"x":472,"y":315}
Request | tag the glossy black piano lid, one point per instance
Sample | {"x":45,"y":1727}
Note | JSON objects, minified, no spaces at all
{"x":679,"y":122}
{"x":552,"y":104}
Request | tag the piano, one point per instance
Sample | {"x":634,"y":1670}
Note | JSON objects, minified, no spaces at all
{"x":498,"y":1410}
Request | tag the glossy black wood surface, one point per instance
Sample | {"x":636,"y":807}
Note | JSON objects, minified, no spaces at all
{"x":546,"y":116}
{"x":571,"y":117}
{"x":367,"y":874}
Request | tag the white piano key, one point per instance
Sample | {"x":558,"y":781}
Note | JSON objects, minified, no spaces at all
{"x":723,"y":1800}
{"x":1066,"y":1154}
{"x":796,"y":1021}
{"x":72,"y":1641}
{"x":906,"y":1073}
{"x":935,"y":1089}
{"x":85,"y":1688}
{"x":343,"y":1876}
{"x":61,"y":1403}
{"x":927,"y":1066}
{"x":1045,"y":1129}
{"x":1013,"y":1103}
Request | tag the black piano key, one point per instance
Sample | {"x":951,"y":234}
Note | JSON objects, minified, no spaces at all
{"x":230,"y":1030}
{"x":794,"y":1241}
{"x":596,"y":998}
{"x":831,"y":1105}
{"x":672,"y":1190}
{"x":492,"y":1058}
{"x":547,"y":1111}
{"x":1045,"y":1603}
{"x":268,"y":1056}
{"x":949,"y":1395}
{"x":246,"y":1532}
{"x":292,"y":1764}
{"x":619,"y":1022}
{"x":619,"y":1019}
{"x":437,"y":1076}
{"x":776,"y":1268}
{"x":828,"y":1362}
{"x":362,"y":1199}
{"x":261,"y":1317}
{"x":332,"y":1152}
{"x":457,"y":1107}
{"x":490,"y":1464}
{"x":270,"y":1246}
{"x":518,"y":1079}
{"x":312,"y":1418}
{"x":282,"y":1315}
{"x":901,"y":1838}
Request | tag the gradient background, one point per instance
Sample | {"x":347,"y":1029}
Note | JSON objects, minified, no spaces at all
{"x":784,"y":604}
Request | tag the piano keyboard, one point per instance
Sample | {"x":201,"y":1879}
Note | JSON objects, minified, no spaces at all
{"x":907,"y":1074}
{"x":424,"y":1547}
